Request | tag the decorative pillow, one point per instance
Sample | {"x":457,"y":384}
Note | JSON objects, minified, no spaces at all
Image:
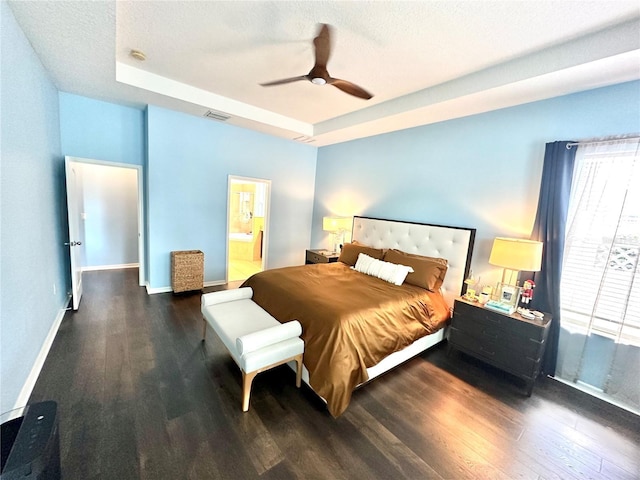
{"x":350,"y":251}
{"x":428,"y":272}
{"x":389,"y":272}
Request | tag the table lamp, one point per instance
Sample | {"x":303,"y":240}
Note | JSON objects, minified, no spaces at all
{"x":337,"y":226}
{"x":514,"y":256}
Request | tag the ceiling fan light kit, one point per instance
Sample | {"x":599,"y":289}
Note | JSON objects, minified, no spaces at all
{"x":319,"y":74}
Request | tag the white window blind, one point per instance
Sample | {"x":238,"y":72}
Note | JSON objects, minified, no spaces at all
{"x":600,"y":286}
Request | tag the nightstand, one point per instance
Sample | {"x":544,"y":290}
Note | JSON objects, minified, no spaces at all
{"x":321,"y":256}
{"x":508,"y":342}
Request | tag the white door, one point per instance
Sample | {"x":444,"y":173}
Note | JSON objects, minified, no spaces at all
{"x":76,"y":234}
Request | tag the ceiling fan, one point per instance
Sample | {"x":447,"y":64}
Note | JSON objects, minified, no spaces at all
{"x":319,"y":74}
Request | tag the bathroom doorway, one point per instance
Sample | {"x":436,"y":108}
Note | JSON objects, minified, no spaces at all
{"x":247,"y":226}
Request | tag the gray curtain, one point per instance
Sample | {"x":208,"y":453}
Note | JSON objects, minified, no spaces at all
{"x":549,"y":227}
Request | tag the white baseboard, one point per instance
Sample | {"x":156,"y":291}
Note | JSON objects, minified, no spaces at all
{"x":154,"y":290}
{"x":110,"y":267}
{"x":31,"y":380}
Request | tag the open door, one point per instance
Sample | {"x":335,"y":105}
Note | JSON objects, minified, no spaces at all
{"x":247,"y":226}
{"x":76,"y":234}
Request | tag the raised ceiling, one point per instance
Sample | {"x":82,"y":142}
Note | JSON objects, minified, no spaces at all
{"x":425,"y":61}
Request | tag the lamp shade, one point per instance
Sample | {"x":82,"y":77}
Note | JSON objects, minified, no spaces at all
{"x":516,"y":254}
{"x":336,"y":224}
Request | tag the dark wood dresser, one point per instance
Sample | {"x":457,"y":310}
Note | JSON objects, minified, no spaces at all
{"x":321,"y":256}
{"x":508,"y":342}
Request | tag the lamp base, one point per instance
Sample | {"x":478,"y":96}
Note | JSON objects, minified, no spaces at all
{"x":510,"y":277}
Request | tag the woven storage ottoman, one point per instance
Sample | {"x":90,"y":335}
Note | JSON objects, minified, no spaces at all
{"x":187,"y":270}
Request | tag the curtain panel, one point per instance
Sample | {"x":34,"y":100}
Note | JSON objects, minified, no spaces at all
{"x":599,"y":345}
{"x":549,"y":228}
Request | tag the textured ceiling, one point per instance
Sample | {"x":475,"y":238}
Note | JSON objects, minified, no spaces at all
{"x":424,"y":61}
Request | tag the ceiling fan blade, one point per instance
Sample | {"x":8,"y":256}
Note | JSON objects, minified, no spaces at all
{"x":322,"y":44}
{"x":285,"y":80}
{"x":319,"y":74}
{"x":350,"y":88}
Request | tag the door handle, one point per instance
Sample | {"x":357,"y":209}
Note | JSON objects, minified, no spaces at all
{"x":72,"y":244}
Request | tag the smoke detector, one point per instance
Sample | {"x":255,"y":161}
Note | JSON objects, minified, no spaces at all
{"x":138,"y":55}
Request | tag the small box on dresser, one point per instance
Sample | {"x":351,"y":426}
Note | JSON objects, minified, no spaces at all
{"x":508,"y":342}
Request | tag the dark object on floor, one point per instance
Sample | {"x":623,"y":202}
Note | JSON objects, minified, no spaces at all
{"x":31,"y":444}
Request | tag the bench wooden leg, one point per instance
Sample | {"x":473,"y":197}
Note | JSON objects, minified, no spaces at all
{"x":204,"y":329}
{"x":298,"y":360}
{"x":247,"y":379}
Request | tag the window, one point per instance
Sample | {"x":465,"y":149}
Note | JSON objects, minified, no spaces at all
{"x":600,"y":287}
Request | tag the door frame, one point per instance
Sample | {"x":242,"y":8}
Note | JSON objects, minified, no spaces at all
{"x":140,"y":201}
{"x":267,"y":217}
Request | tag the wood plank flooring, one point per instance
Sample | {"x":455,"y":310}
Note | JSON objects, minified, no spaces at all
{"x":140,"y":396}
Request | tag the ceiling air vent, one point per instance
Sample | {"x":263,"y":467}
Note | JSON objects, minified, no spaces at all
{"x":304,"y":139}
{"x":217,"y":115}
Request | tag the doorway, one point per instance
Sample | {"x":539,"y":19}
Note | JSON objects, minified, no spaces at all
{"x":106,"y":216}
{"x":247,"y":226}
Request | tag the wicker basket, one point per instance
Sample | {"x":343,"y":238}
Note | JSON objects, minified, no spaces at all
{"x":187,"y":270}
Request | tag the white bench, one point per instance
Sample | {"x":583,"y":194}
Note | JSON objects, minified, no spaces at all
{"x":255,"y":340}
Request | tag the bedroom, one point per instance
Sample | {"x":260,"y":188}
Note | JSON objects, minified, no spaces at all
{"x":309,"y":182}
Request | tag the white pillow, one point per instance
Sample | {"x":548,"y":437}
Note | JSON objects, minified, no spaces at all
{"x":389,"y":272}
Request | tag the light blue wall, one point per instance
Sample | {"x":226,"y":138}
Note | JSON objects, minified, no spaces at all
{"x":104,"y":131}
{"x":481,"y":171}
{"x":101,"y":130}
{"x":32,"y":256}
{"x":189,"y":162}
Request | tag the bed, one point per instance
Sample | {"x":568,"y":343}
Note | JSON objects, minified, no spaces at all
{"x":357,"y":326}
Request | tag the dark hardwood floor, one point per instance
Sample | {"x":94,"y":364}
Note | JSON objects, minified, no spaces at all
{"x":140,"y":396}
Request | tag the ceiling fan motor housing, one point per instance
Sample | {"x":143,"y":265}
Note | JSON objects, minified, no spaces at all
{"x":318,"y":75}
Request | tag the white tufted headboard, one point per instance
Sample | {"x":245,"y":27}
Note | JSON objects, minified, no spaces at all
{"x":453,"y":243}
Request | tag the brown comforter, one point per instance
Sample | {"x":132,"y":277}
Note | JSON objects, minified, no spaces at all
{"x":350,"y":321}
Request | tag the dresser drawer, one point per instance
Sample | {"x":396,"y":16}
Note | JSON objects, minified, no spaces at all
{"x":496,"y":353}
{"x":474,"y":317}
{"x":505,"y":339}
{"x":477,"y":323}
{"x":313,"y":257}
